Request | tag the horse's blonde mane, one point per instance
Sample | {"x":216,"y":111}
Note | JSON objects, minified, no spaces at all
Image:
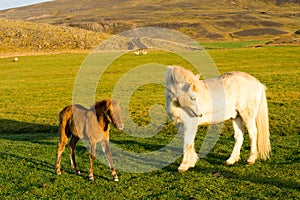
{"x":178,"y":74}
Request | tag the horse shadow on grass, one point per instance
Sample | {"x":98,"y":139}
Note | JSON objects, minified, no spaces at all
{"x":217,"y":169}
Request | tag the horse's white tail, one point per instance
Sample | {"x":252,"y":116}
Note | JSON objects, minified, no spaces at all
{"x":262,"y":124}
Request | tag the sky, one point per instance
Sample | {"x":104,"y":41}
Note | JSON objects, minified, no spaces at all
{"x":6,"y":4}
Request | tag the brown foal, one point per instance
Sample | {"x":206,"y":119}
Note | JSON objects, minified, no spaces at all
{"x":92,"y":125}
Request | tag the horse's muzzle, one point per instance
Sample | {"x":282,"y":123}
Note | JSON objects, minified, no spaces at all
{"x":192,"y":113}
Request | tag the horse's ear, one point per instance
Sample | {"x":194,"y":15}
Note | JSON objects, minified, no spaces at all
{"x":198,"y":76}
{"x":194,"y":87}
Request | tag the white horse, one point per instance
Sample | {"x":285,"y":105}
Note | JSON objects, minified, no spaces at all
{"x":235,"y":95}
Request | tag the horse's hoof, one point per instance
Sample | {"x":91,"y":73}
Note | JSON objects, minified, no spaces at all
{"x":181,"y":169}
{"x":91,"y":178}
{"x":228,"y":163}
{"x":250,"y":162}
{"x":58,"y":172}
{"x":231,"y":161}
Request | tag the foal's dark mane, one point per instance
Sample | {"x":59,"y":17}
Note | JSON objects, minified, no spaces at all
{"x":101,"y":109}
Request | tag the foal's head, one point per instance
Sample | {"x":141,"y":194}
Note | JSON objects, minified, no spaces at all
{"x":110,"y":111}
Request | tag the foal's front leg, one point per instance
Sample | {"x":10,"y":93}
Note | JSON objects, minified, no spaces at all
{"x":92,"y":159}
{"x":106,"y":150}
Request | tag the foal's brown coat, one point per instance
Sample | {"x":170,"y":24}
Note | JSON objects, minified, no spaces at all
{"x":92,"y":125}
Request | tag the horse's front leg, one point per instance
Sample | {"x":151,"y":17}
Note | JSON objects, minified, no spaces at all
{"x":188,"y":129}
{"x":106,"y":150}
{"x":237,"y":124}
{"x":92,"y":159}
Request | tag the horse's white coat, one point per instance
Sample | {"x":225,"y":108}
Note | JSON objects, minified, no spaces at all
{"x":236,"y":95}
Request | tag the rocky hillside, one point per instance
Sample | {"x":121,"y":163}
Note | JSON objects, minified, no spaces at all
{"x":200,"y":19}
{"x":19,"y":36}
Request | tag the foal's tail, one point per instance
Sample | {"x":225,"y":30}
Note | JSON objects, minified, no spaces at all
{"x":63,"y":118}
{"x":262,"y":124}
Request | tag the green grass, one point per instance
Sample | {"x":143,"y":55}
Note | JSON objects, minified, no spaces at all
{"x":231,"y":45}
{"x":35,"y":89}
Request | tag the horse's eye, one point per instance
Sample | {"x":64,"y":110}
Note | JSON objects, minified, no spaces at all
{"x":192,"y":98}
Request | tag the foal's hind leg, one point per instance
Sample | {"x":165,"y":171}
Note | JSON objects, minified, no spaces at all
{"x":72,"y":146}
{"x":60,"y":149}
{"x":106,"y":150}
{"x":237,"y":124}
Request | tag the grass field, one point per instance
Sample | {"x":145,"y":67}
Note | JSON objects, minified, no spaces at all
{"x":35,"y":89}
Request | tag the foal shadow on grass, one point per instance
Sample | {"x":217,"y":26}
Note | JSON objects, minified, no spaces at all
{"x":38,"y":164}
{"x":29,"y":132}
{"x":35,"y":145}
{"x":31,"y":143}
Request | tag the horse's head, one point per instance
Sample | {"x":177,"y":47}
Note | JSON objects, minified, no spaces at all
{"x":182,"y":91}
{"x":110,"y":111}
{"x":188,"y":99}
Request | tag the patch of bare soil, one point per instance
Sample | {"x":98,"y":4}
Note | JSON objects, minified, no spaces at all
{"x":259,"y":32}
{"x":214,"y":36}
{"x":290,"y":40}
{"x":285,"y":40}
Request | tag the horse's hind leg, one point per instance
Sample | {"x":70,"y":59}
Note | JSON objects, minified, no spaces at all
{"x":237,"y":124}
{"x":72,"y":146}
{"x":106,"y":150}
{"x":251,"y":126}
{"x":190,"y":157}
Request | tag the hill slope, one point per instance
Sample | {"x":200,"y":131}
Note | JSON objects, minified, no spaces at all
{"x":25,"y":37}
{"x":200,"y":19}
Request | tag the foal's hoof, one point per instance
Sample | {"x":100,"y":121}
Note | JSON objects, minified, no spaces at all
{"x":116,"y":179}
{"x":77,"y":172}
{"x":91,"y":178}
{"x":58,"y":172}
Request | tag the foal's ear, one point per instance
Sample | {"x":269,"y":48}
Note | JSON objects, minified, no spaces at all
{"x":108,"y":104}
{"x":198,"y":76}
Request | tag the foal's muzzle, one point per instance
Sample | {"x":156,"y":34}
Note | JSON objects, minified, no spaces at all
{"x":119,"y":126}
